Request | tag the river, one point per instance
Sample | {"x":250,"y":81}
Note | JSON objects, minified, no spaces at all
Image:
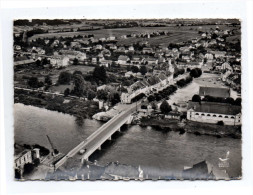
{"x":157,"y":153}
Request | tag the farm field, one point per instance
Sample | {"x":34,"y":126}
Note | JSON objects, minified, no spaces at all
{"x":120,"y":31}
{"x":163,"y":40}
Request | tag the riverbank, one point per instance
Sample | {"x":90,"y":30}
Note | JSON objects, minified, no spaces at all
{"x":76,"y":107}
{"x":166,"y":125}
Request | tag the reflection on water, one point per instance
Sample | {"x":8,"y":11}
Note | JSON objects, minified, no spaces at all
{"x":154,"y":151}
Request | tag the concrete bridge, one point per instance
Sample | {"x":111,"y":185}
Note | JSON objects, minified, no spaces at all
{"x":105,"y":132}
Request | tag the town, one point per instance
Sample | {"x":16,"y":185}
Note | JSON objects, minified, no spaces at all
{"x":172,"y":75}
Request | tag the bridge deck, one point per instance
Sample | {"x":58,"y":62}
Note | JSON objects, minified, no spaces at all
{"x":95,"y":140}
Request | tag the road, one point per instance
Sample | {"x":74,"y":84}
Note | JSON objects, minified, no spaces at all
{"x":95,"y":140}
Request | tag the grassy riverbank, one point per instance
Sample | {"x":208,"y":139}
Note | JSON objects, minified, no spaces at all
{"x":197,"y":128}
{"x":76,"y":107}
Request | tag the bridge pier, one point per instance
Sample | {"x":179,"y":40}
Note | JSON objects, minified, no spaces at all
{"x":110,"y":138}
{"x":99,"y":148}
{"x":83,"y":160}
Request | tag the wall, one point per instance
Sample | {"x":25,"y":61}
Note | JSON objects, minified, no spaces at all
{"x":214,"y":118}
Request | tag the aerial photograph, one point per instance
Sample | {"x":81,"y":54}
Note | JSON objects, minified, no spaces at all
{"x":127,"y":99}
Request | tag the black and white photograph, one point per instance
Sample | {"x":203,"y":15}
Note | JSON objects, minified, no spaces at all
{"x":127,"y":99}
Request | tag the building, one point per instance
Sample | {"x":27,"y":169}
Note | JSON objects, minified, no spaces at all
{"x":25,"y":157}
{"x":145,"y":86}
{"x":24,"y":62}
{"x":214,"y":91}
{"x":152,"y":61}
{"x":147,"y":50}
{"x":123,"y":59}
{"x":213,"y":112}
{"x":173,"y":115}
{"x":59,"y":61}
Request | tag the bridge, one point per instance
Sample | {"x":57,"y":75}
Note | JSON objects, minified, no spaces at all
{"x":105,"y":132}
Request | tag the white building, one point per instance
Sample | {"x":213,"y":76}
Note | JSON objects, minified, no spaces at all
{"x":213,"y":112}
{"x":59,"y":61}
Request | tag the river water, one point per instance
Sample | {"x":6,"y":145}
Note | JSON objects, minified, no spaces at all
{"x":157,"y":153}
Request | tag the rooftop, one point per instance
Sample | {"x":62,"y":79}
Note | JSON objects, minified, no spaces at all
{"x":214,"y":107}
{"x":214,"y":91}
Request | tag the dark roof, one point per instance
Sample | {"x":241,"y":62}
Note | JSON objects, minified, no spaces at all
{"x":214,"y":107}
{"x":214,"y":91}
{"x":121,"y":57}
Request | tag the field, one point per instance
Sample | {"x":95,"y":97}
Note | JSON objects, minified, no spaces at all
{"x":187,"y":30}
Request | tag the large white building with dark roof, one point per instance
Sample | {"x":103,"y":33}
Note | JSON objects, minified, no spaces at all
{"x":213,"y":112}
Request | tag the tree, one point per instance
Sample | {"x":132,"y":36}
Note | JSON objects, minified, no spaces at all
{"x":28,"y":168}
{"x":151,"y":98}
{"x":102,"y":95}
{"x":99,"y":74}
{"x":144,"y":107}
{"x":67,"y":92}
{"x":135,"y":69}
{"x":221,"y":123}
{"x":91,"y":94}
{"x":238,"y":101}
{"x":34,"y":83}
{"x":77,"y":72}
{"x":154,"y":106}
{"x":75,"y":61}
{"x":165,"y":107}
{"x":79,"y":85}
{"x":64,"y":78}
{"x":79,"y":120}
{"x":48,"y":80}
{"x":196,"y":72}
{"x":196,"y":98}
{"x":229,"y":100}
{"x":143,"y":70}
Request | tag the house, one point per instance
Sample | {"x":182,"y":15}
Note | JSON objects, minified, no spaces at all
{"x":209,"y":56}
{"x":25,"y":157}
{"x":152,"y":61}
{"x":213,"y":112}
{"x":17,"y":47}
{"x":105,"y":63}
{"x":130,"y":48}
{"x":113,"y":47}
{"x":173,"y":115}
{"x":147,"y":50}
{"x":137,"y":60}
{"x":74,"y":54}
{"x":219,"y":54}
{"x":161,"y":59}
{"x":123,"y":59}
{"x":102,"y":39}
{"x":24,"y":62}
{"x":75,"y":44}
{"x":121,"y":49}
{"x":214,"y":92}
{"x":111,"y":38}
{"x":99,"y":47}
{"x":226,"y":66}
{"x":59,"y":61}
{"x":123,"y":36}
{"x":94,"y":60}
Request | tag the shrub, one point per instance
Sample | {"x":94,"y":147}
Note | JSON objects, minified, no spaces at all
{"x":221,"y":123}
